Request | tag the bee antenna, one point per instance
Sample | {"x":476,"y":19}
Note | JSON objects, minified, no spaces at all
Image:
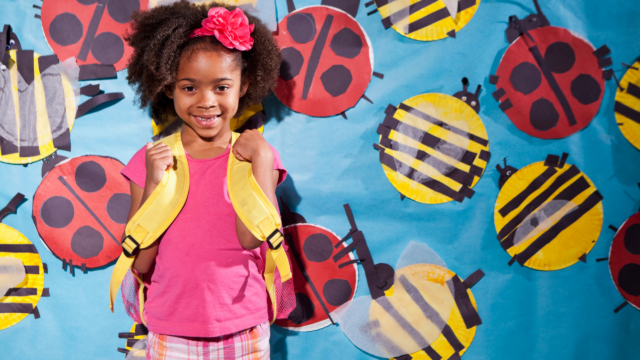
{"x":478,"y":90}
{"x":465,"y":83}
{"x":505,"y":162}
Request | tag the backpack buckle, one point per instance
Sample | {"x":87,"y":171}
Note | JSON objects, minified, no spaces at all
{"x":129,"y":246}
{"x":275,"y":245}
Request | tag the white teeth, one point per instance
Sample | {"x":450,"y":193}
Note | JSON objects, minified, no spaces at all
{"x":207,"y":120}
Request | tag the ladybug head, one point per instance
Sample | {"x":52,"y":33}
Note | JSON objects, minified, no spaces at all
{"x":518,"y":27}
{"x":469,"y":98}
{"x":505,"y":173}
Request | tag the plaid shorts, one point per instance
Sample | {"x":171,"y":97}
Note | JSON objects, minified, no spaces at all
{"x":249,"y":344}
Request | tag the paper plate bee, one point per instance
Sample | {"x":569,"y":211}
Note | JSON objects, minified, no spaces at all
{"x":138,"y":332}
{"x":627,"y":107}
{"x":80,"y":209}
{"x":425,"y":20}
{"x":327,"y":60}
{"x":21,"y":272}
{"x":548,"y":215}
{"x":550,"y":81}
{"x":434,"y":147}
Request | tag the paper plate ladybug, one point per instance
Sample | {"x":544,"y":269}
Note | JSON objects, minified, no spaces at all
{"x":550,"y":81}
{"x":624,"y":261}
{"x":90,"y":30}
{"x":321,"y":285}
{"x":548,"y":215}
{"x":327,"y":61}
{"x":80,"y":209}
{"x":434,"y":147}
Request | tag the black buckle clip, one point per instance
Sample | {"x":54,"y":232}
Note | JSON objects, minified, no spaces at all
{"x":274,"y":233}
{"x":126,"y":252}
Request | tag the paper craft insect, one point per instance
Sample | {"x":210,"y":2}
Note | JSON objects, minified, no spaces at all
{"x":21,"y":272}
{"x":321,"y":285}
{"x":425,"y":20}
{"x":327,"y":61}
{"x":80,"y":209}
{"x":89,"y":30}
{"x":548,"y":215}
{"x":433,"y":147}
{"x":137,"y":332}
{"x":550,"y":81}
{"x":627,"y":106}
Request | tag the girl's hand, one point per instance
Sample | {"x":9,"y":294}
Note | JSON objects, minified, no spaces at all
{"x":251,"y":145}
{"x":158,"y":159}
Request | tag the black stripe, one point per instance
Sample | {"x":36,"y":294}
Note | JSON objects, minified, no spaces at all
{"x":127,"y":335}
{"x":413,"y":8}
{"x":73,"y":192}
{"x":390,"y":110}
{"x":432,"y":353}
{"x":131,"y":342}
{"x":427,"y":310}
{"x":568,"y":194}
{"x":467,"y":311}
{"x":92,"y":29}
{"x":426,"y":117}
{"x":553,"y":84}
{"x":404,"y":323}
{"x":254,"y":122}
{"x":538,"y":200}
{"x":18,"y":248}
{"x":428,"y":20}
{"x":454,"y":173}
{"x":45,"y":292}
{"x":530,"y":189}
{"x":381,"y":3}
{"x":451,"y":337}
{"x":633,"y":90}
{"x":316,"y":53}
{"x":465,"y":4}
{"x":16,"y":308}
{"x":626,"y":111}
{"x":32,"y":269}
{"x":7,"y":147}
{"x":21,"y":292}
{"x":420,"y":178}
{"x":427,"y":139}
{"x":12,"y":206}
{"x":484,"y":155}
{"x":566,"y":221}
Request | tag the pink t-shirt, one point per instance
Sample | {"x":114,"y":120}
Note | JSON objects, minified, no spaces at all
{"x":204,"y":283}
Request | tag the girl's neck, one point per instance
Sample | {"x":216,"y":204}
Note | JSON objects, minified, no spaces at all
{"x":205,"y":148}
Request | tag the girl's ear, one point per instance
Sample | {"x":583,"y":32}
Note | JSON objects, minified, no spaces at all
{"x":243,"y":88}
{"x":169,"y":92}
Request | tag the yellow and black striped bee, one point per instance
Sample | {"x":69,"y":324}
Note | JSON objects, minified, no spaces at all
{"x":434,"y":147}
{"x":627,"y":105}
{"x":18,"y":256}
{"x":137,"y":332}
{"x":426,"y":20}
{"x":548,"y":215}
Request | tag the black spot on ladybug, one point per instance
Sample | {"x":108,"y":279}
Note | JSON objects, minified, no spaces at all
{"x":118,"y":207}
{"x":543,"y":115}
{"x":525,"y":78}
{"x":57,"y":212}
{"x":87,"y":242}
{"x":121,"y":10}
{"x":303,"y":311}
{"x":292,"y":61}
{"x":629,"y":279}
{"x":632,"y":239}
{"x":337,"y":291}
{"x":107,"y":48}
{"x":585,"y":89}
{"x":301,"y":27}
{"x":346,"y":43}
{"x":560,"y":57}
{"x":336,"y":80}
{"x":66,"y":29}
{"x":317,"y":247}
{"x":90,"y":176}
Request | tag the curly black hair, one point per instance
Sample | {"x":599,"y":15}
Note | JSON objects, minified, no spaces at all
{"x":160,"y":38}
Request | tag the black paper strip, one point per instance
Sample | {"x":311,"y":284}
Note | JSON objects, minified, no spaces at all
{"x":378,"y":75}
{"x":451,"y":337}
{"x":90,"y":90}
{"x":432,"y":353}
{"x":498,"y":94}
{"x":97,"y":71}
{"x":473,"y":279}
{"x":627,"y":112}
{"x":141,"y":330}
{"x":32,"y":269}
{"x":606,"y":62}
{"x":615,"y":229}
{"x":563,"y":160}
{"x":45,"y":62}
{"x":12,"y":206}
{"x":291,"y":7}
{"x":530,"y":189}
{"x":617,"y":310}
{"x":97,"y":100}
{"x":428,"y":20}
{"x":316,"y":53}
{"x":469,"y":314}
{"x":601,"y":52}
{"x":465,"y":4}
{"x":633,"y":90}
{"x":505,"y":105}
{"x":45,"y":292}
{"x":403,"y":13}
{"x":127,"y":335}
{"x":36,"y":313}
{"x":18,"y":248}
{"x":92,"y":29}
{"x":493,"y":79}
{"x":16,"y":308}
{"x":21,"y":292}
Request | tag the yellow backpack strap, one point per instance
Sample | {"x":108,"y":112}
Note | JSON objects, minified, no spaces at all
{"x":260,"y":217}
{"x":155,"y":215}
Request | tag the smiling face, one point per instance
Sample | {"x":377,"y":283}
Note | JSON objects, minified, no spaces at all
{"x":206,"y":92}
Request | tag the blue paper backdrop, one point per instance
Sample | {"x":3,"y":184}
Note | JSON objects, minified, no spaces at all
{"x":527,"y":314}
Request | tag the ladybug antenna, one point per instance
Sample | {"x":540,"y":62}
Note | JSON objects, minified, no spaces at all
{"x":12,"y":206}
{"x":478,"y":90}
{"x":538,"y":9}
{"x":465,"y":83}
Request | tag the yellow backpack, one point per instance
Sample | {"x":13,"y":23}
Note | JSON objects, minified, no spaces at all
{"x":166,"y":201}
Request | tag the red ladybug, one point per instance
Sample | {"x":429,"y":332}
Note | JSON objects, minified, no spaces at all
{"x":550,"y":80}
{"x":90,"y":30}
{"x":624,"y":261}
{"x":80,"y":209}
{"x":327,"y":61}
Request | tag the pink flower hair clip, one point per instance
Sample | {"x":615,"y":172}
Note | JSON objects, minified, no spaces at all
{"x":231,"y":28}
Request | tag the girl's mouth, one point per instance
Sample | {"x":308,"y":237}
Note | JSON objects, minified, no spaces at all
{"x":206,"y":120}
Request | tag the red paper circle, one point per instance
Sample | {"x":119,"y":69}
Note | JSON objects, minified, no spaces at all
{"x":519,"y":69}
{"x":322,"y":270}
{"x":343,"y":73}
{"x":66,"y":22}
{"x":65,"y":200}
{"x":624,"y":260}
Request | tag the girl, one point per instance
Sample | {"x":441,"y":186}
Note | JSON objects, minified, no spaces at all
{"x":206,"y":296}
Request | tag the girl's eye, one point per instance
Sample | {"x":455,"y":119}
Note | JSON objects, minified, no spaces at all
{"x":222,"y":88}
{"x":189,"y":88}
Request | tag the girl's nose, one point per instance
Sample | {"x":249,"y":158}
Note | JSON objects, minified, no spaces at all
{"x":207,"y":100}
